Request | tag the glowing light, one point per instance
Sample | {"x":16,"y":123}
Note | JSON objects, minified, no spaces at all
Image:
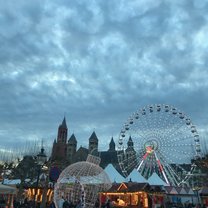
{"x":149,"y":149}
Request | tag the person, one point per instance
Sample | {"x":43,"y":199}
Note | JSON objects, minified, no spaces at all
{"x":79,"y":204}
{"x":2,"y":203}
{"x":52,"y":205}
{"x":26,"y":202}
{"x":16,"y":203}
{"x":61,"y":202}
{"x":66,"y":204}
{"x":97,"y":203}
{"x":140,"y":204}
{"x":108,"y":204}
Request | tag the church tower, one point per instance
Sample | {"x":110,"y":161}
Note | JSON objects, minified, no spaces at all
{"x":130,"y":144}
{"x":59,"y":149}
{"x":93,"y":143}
{"x":62,"y":132}
{"x":131,"y":154}
{"x":71,"y":148}
{"x":112,"y":146}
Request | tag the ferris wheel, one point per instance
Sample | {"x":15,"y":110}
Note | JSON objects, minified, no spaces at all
{"x":159,"y":139}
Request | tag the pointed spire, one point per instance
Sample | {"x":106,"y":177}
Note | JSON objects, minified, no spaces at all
{"x":112,"y":140}
{"x":112,"y":145}
{"x":62,"y":132}
{"x":64,"y":123}
{"x":130,"y":143}
{"x":41,"y":156}
{"x":42,"y":148}
{"x":93,"y":143}
{"x":93,"y":137}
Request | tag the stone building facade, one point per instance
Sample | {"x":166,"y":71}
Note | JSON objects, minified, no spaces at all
{"x":66,"y":152}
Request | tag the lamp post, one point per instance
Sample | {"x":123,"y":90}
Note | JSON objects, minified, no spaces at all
{"x":45,"y":189}
{"x":41,"y":159}
{"x":198,"y":196}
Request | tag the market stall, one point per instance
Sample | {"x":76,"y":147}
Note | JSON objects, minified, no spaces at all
{"x":129,"y":194}
{"x":6,"y":195}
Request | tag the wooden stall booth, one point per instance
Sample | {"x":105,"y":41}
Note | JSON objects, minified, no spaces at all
{"x":37,"y":194}
{"x":7,"y":195}
{"x":157,"y":196}
{"x":129,"y":194}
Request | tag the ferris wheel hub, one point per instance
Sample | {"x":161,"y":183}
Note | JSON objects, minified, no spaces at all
{"x":150,"y":146}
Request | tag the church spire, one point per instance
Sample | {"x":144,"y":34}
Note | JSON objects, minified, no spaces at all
{"x":93,"y":142}
{"x":62,"y":132}
{"x":130,"y":143}
{"x":112,"y":145}
{"x":64,"y":123}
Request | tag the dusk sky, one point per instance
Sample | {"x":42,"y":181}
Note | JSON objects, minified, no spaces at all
{"x":96,"y":62}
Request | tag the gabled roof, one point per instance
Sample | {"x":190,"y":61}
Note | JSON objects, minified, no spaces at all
{"x":129,"y":187}
{"x":81,"y":154}
{"x":189,"y":190}
{"x":168,"y":189}
{"x":72,"y":139}
{"x":172,"y":190}
{"x":123,"y":186}
{"x":178,"y":190}
{"x":156,"y":188}
{"x":182,"y":191}
{"x":82,"y":150}
{"x":114,"y":187}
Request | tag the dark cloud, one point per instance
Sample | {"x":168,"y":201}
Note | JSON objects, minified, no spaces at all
{"x":97,"y":62}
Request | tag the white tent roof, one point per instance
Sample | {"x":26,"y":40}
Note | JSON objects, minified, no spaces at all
{"x":113,"y":174}
{"x":154,"y":179}
{"x":136,"y":176}
{"x":189,"y":191}
{"x":4,"y":189}
{"x":173,"y":191}
{"x":12,"y":182}
{"x":183,"y":191}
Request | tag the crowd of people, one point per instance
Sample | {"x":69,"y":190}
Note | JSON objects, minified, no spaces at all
{"x":27,"y":204}
{"x":64,"y":203}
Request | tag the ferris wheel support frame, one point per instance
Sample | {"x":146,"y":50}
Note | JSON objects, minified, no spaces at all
{"x":144,"y":157}
{"x":161,"y":168}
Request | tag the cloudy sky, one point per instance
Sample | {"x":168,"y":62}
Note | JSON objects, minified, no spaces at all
{"x":96,"y":62}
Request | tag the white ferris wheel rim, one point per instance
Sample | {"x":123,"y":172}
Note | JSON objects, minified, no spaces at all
{"x":170,"y":134}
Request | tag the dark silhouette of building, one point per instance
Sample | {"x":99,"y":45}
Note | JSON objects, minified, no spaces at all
{"x":59,"y":149}
{"x":66,"y":152}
